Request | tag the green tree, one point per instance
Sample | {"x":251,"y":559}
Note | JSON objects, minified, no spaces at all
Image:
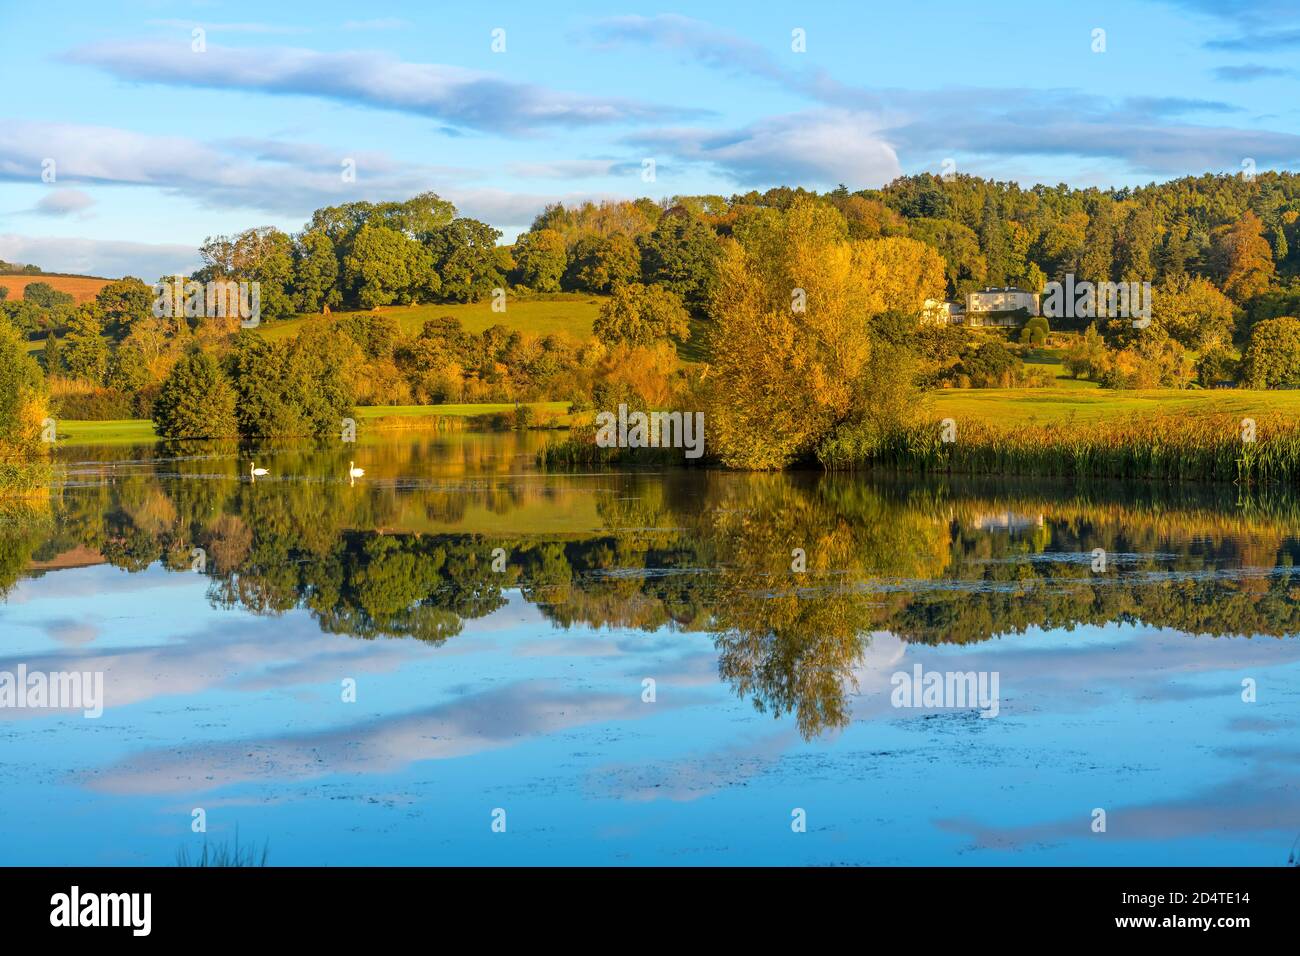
{"x":641,"y":315}
{"x":385,"y":266}
{"x":263,"y":255}
{"x":1272,"y":357}
{"x":46,"y":296}
{"x":540,"y":260}
{"x":681,"y":254}
{"x":52,"y":355}
{"x":315,"y":272}
{"x":465,"y":257}
{"x":597,"y":263}
{"x":195,"y":400}
{"x":85,"y":351}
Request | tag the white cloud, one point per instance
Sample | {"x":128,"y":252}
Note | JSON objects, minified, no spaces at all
{"x":816,"y":148}
{"x":112,"y":258}
{"x":461,"y":97}
{"x":64,"y":202}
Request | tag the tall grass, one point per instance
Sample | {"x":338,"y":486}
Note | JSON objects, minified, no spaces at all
{"x":1161,"y":447}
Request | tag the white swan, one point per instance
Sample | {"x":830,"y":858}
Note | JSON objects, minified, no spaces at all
{"x":254,"y":472}
{"x":354,"y":472}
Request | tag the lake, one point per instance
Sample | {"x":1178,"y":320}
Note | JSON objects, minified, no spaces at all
{"x":457,"y":658}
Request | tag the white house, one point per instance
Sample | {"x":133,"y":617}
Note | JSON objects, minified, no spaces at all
{"x":937,"y":312}
{"x":1009,"y":299}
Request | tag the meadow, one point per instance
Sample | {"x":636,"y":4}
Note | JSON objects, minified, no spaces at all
{"x":560,"y":313}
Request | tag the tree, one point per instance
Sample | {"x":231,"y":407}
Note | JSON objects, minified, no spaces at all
{"x":960,"y":247}
{"x":195,"y":400}
{"x":681,"y":254}
{"x":46,"y":296}
{"x":540,"y":260}
{"x":464,"y":255}
{"x":123,"y":303}
{"x":994,"y":243}
{"x":1272,"y":357}
{"x":303,"y":387}
{"x":991,"y":365}
{"x":385,"y":266}
{"x":85,"y":351}
{"x":315,"y":272}
{"x":640,"y":315}
{"x":597,"y":263}
{"x":1085,"y":356}
{"x":1242,"y":258}
{"x":786,"y":370}
{"x":263,"y":255}
{"x":1097,"y":262}
{"x":1035,"y":331}
{"x":1194,"y":312}
{"x":51,"y":355}
{"x":23,"y":455}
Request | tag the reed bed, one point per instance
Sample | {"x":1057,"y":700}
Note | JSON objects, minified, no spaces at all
{"x":1155,"y":447}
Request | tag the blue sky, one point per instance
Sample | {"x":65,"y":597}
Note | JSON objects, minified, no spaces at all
{"x":156,"y":145}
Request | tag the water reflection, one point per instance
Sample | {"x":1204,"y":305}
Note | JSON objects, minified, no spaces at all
{"x":406,"y":552}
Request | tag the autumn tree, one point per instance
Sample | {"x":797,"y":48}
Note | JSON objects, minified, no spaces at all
{"x":1242,"y":258}
{"x":23,"y":455}
{"x":791,"y":337}
{"x":1194,"y":312}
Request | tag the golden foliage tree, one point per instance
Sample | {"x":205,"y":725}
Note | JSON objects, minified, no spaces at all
{"x":791,"y":334}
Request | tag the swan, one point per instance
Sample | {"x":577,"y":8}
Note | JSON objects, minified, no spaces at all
{"x":254,"y":472}
{"x":354,"y":472}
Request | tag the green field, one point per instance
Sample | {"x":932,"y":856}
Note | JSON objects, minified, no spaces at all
{"x":1010,"y":406}
{"x":562,"y":313}
{"x":129,"y":431}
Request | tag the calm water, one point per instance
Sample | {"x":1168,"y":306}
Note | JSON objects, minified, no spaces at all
{"x":229,"y":618}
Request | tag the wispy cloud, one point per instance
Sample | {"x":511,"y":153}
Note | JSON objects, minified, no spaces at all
{"x":452,"y":95}
{"x":64,"y":202}
{"x":1248,"y":72}
{"x":821,"y":147}
{"x":1266,"y":41}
